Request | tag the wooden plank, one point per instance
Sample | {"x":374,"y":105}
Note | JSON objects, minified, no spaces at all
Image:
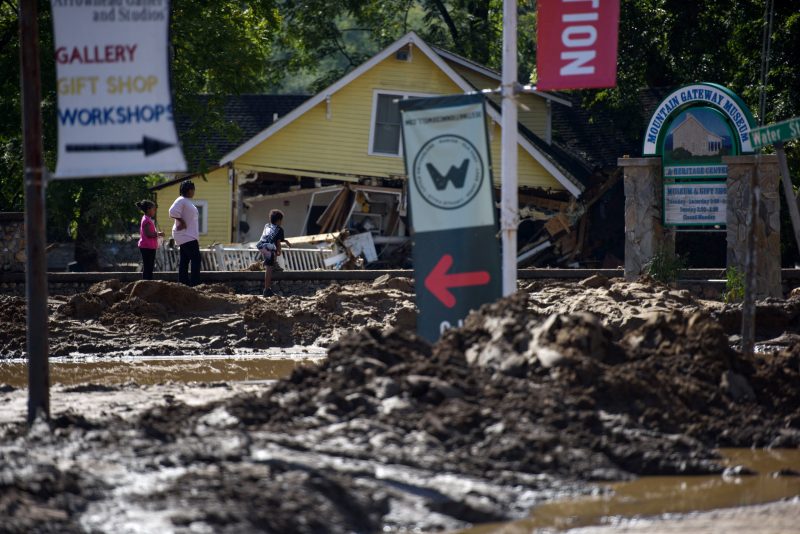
{"x":557,"y":224}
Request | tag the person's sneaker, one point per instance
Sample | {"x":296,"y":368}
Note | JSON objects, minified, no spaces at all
{"x":268,"y":293}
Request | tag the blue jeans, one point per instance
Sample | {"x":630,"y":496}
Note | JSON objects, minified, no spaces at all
{"x":190,"y":252}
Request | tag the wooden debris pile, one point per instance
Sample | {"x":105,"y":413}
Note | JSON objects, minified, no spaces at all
{"x":553,"y":232}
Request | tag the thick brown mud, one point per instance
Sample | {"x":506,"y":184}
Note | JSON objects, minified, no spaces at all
{"x":751,"y":479}
{"x":538,"y":395}
{"x":164,"y":318}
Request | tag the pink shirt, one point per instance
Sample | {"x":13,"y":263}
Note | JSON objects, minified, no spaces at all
{"x":144,"y":241}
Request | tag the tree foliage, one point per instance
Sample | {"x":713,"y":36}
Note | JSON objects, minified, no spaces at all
{"x":217,"y":48}
{"x":220,"y":47}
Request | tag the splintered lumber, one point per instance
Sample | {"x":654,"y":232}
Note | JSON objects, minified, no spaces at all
{"x":336,"y":213}
{"x":582,"y":235}
{"x":568,"y":243}
{"x":557,"y":224}
{"x":527,"y":199}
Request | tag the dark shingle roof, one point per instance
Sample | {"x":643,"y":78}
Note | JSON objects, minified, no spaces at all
{"x":567,"y":162}
{"x":598,"y":137}
{"x":250,"y":114}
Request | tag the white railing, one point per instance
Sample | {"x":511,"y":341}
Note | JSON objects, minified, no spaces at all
{"x":222,"y":258}
{"x":302,"y":259}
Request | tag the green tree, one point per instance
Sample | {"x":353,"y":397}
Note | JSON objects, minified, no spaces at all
{"x":218,"y":48}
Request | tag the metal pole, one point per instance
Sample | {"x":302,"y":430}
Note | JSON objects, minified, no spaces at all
{"x":750,"y":264}
{"x":36,"y":268}
{"x":509,"y":206}
{"x":791,"y":200}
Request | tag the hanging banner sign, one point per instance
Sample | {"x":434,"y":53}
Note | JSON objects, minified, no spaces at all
{"x":456,"y":249}
{"x":114,"y":100}
{"x":576,"y":46}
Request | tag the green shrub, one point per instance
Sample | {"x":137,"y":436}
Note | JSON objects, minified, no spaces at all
{"x":734,"y":285}
{"x":665,"y":267}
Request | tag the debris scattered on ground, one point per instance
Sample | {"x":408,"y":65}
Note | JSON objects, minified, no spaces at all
{"x":539,"y":393}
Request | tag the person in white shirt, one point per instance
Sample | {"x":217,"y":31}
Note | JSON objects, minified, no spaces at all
{"x":186,"y":233}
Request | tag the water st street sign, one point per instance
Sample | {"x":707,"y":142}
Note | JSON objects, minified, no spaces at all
{"x":775,"y":133}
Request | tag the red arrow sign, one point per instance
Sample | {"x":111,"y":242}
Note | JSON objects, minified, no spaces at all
{"x":439,"y":282}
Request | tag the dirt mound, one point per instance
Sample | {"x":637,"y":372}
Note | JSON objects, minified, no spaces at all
{"x":620,"y":305}
{"x":13,"y":317}
{"x":325,"y":316}
{"x":148,"y":298}
{"x":534,"y":394}
{"x":12,"y":310}
{"x":509,"y":389}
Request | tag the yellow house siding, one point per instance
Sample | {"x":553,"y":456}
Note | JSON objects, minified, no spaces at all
{"x":530,"y":173}
{"x":216,"y":191}
{"x":341,"y":144}
{"x":475,"y":79}
{"x":535,"y":119}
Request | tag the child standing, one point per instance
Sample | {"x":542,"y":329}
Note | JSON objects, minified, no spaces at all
{"x":148,"y":237}
{"x":270,"y":247}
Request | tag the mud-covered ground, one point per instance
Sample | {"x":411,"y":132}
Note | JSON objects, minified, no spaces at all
{"x":537,"y":395}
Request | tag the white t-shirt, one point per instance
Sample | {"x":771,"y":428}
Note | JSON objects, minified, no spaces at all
{"x":183,"y":208}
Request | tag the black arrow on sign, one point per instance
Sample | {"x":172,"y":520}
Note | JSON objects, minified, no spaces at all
{"x":148,"y":145}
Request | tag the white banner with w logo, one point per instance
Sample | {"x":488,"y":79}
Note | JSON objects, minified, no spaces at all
{"x":446,"y":151}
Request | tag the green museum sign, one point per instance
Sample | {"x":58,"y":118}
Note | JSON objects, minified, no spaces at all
{"x":692,"y":129}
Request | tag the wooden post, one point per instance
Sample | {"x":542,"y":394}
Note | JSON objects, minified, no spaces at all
{"x":35,"y":174}
{"x":791,"y":200}
{"x":751,"y":260}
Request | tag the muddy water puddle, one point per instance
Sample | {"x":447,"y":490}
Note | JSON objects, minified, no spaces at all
{"x":148,"y":370}
{"x":654,"y":496}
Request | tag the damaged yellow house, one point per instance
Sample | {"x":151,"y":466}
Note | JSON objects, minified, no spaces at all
{"x":350,"y":132}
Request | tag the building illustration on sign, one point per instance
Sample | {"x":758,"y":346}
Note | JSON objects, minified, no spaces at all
{"x":695,"y":138}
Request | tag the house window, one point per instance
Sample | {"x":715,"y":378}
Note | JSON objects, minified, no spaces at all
{"x":202,"y":211}
{"x":385,"y":137}
{"x":386,"y":128}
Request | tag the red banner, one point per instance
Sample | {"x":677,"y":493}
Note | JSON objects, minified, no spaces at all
{"x":577,"y":44}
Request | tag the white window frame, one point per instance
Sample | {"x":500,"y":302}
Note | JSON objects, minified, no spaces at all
{"x":202,"y":223}
{"x":374,"y":116}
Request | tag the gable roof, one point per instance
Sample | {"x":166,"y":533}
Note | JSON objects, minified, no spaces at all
{"x":574,"y":185}
{"x":491,"y":73}
{"x":250,"y":113}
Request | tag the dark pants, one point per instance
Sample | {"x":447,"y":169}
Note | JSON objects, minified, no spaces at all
{"x":148,"y":262}
{"x":190,"y":252}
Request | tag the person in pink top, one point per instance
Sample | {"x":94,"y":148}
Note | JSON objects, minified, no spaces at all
{"x":148,"y":237}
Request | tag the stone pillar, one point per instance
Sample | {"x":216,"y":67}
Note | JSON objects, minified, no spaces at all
{"x":645,"y":233}
{"x":767,"y":220}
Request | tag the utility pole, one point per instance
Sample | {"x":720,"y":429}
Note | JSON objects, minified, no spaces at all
{"x":509,"y":206}
{"x":35,"y":175}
